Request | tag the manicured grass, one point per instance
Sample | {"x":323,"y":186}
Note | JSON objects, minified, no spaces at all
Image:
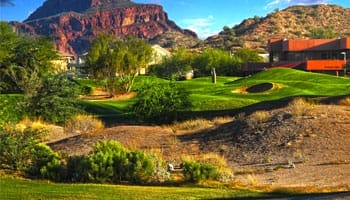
{"x":32,"y":189}
{"x":209,"y":97}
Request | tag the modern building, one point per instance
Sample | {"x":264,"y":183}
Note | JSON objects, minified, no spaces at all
{"x":310,"y":54}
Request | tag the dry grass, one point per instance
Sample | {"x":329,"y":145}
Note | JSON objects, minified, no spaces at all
{"x":300,"y":107}
{"x":210,"y":158}
{"x":33,"y":124}
{"x":199,"y":124}
{"x":344,"y":102}
{"x":84,"y":124}
{"x":257,"y":118}
{"x":36,"y":125}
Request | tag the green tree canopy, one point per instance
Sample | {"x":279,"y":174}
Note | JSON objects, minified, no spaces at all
{"x":219,"y":59}
{"x":323,"y":33}
{"x":24,"y":60}
{"x":118,"y":61}
{"x":176,"y":66}
{"x":248,"y":55}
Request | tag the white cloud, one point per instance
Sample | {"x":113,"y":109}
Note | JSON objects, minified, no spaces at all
{"x":283,"y":3}
{"x":202,"y":26}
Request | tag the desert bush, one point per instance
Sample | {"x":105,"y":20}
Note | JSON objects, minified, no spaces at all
{"x":193,"y":124}
{"x":160,"y":174}
{"x":195,"y":171}
{"x":45,"y":163}
{"x":200,"y":123}
{"x":107,"y":162}
{"x":111,"y":162}
{"x":36,"y":124}
{"x":86,"y":124}
{"x":16,"y":145}
{"x":77,"y":169}
{"x":300,"y":107}
{"x":345,"y":102}
{"x":160,"y":103}
{"x":140,"y":167}
{"x":257,"y":118}
{"x":207,"y":167}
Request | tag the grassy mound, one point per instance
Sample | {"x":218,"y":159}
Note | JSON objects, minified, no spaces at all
{"x":208,"y":97}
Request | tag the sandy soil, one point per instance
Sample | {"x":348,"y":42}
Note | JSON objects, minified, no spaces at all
{"x":290,"y":147}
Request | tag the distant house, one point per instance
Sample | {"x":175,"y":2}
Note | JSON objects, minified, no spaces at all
{"x":310,"y":54}
{"x":61,"y":64}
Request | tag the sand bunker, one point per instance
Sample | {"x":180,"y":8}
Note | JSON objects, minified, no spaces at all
{"x":258,"y":88}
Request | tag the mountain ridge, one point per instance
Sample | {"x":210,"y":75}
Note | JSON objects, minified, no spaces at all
{"x":291,"y":23}
{"x":73,"y":24}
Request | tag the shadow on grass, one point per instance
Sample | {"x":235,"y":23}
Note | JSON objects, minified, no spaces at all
{"x":113,"y":116}
{"x":262,"y":106}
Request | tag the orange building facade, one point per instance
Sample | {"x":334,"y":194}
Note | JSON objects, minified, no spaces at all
{"x":310,"y":55}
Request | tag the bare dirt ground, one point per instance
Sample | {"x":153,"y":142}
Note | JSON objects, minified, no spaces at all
{"x":297,"y":146}
{"x":283,"y":150}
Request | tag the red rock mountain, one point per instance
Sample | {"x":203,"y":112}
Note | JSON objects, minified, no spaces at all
{"x":73,"y":24}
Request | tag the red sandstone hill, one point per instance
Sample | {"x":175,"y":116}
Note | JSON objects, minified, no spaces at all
{"x":291,"y":23}
{"x":72,"y":24}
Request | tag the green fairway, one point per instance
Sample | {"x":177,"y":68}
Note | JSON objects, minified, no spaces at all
{"x":209,"y":97}
{"x":31,"y":189}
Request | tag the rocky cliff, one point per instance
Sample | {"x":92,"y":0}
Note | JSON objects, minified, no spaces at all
{"x":73,"y":24}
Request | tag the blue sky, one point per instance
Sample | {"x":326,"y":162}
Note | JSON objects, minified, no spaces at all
{"x":205,"y":17}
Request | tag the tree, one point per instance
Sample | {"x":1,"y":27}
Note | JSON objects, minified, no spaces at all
{"x":248,"y":55}
{"x":159,"y":103}
{"x":55,"y":100}
{"x":118,"y":62}
{"x":216,"y":58}
{"x":176,"y":66}
{"x":322,"y":33}
{"x":24,"y":60}
{"x":8,"y":40}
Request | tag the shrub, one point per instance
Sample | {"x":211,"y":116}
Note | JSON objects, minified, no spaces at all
{"x":16,"y":145}
{"x":300,"y":107}
{"x":207,"y":167}
{"x":160,"y":102}
{"x":107,"y":162}
{"x":41,"y":154}
{"x":86,"y":90}
{"x":10,"y":109}
{"x":160,"y":173}
{"x":55,"y":100}
{"x":111,"y":162}
{"x":174,"y":67}
{"x":77,"y":169}
{"x":45,"y":163}
{"x":345,"y":102}
{"x":257,"y":118}
{"x":196,"y":172}
{"x":86,"y":124}
{"x":140,"y":167}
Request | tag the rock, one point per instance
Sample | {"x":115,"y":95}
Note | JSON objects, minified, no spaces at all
{"x":73,"y":24}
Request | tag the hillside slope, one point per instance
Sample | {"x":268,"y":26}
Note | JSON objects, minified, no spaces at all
{"x":293,"y":22}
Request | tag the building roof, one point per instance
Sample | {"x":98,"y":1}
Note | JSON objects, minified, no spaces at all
{"x":309,"y":44}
